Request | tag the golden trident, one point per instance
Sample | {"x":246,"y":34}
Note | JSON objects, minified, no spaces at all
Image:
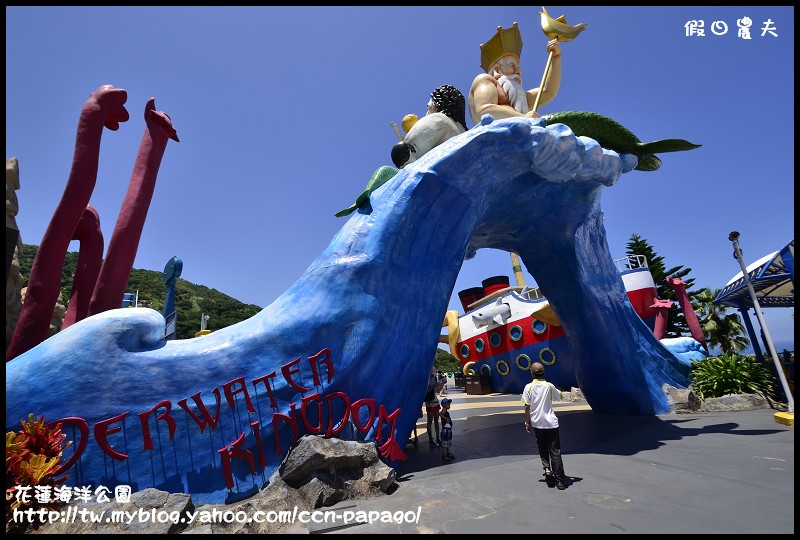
{"x":559,"y":30}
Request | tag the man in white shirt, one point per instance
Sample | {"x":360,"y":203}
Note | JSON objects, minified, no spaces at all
{"x":538,"y":397}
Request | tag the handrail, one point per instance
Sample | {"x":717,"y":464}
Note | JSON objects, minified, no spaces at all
{"x":624,"y":264}
{"x":631,"y":262}
{"x":527,"y":292}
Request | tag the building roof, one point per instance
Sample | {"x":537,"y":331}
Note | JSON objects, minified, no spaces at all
{"x":772,"y":278}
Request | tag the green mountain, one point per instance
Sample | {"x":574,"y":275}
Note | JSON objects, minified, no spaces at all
{"x":191,"y":301}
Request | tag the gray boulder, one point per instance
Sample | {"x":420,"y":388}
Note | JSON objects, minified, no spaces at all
{"x":686,"y":401}
{"x":317,"y":473}
{"x":574,"y":395}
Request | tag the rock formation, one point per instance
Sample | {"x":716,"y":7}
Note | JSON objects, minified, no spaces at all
{"x":13,"y":278}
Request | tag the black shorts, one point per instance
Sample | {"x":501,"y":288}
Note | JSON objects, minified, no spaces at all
{"x":447,"y":436}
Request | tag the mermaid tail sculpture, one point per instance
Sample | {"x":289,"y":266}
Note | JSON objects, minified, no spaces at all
{"x":105,"y":107}
{"x":116,"y":269}
{"x":332,"y":356}
{"x":90,"y":258}
{"x":381,"y":175}
{"x":615,"y":136}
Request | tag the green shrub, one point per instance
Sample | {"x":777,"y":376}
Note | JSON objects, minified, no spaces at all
{"x":731,"y":373}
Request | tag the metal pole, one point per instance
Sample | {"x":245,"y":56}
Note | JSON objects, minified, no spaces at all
{"x":516,"y":267}
{"x":397,"y":132}
{"x":734,"y":237}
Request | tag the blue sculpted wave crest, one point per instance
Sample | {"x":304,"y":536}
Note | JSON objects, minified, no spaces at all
{"x":361,"y":323}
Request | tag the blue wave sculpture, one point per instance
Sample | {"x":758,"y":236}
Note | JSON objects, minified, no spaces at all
{"x":347,"y":349}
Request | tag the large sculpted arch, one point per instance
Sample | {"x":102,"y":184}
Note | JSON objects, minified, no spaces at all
{"x":212,"y":416}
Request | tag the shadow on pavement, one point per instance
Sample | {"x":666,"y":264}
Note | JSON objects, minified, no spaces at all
{"x":582,"y":432}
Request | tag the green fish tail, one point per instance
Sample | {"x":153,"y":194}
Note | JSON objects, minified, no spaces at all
{"x":609,"y":133}
{"x":381,"y":175}
{"x":347,"y":211}
{"x":648,"y":163}
{"x":668,"y":145}
{"x":613,"y":135}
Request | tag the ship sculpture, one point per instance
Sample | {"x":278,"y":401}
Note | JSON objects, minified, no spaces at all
{"x":504,"y":329}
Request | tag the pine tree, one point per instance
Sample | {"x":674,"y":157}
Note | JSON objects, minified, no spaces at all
{"x":676,"y":322}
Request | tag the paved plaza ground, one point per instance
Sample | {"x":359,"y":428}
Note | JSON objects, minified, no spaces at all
{"x":730,"y":472}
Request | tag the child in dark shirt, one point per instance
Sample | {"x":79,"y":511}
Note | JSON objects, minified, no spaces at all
{"x":447,"y":430}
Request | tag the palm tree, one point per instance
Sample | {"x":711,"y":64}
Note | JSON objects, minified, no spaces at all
{"x":720,"y":328}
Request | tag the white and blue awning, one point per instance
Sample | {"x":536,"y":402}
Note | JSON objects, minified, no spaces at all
{"x":772,"y":278}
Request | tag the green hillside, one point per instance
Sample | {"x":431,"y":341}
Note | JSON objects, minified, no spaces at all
{"x":191,"y":301}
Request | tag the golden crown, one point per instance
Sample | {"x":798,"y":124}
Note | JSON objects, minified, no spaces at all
{"x":505,"y":41}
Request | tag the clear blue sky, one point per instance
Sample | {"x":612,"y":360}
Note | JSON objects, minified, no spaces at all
{"x":283,"y":114}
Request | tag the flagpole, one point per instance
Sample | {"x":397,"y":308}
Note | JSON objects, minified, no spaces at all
{"x":516,"y":267}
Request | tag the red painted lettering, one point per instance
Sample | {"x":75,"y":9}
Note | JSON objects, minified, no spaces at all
{"x":303,"y":404}
{"x":262,"y":458}
{"x":370,"y":403}
{"x":292,"y":420}
{"x":83,"y":428}
{"x":326,"y":359}
{"x":265,"y":379}
{"x":234,"y":451}
{"x":383,"y":417}
{"x":287,"y":371}
{"x":345,"y":415}
{"x":207,"y":420}
{"x":145,"y":416}
{"x":390,"y":449}
{"x":102,"y":431}
{"x":243,"y":389}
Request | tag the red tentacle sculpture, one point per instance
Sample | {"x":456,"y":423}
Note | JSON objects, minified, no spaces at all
{"x":105,"y":107}
{"x":679,"y":286}
{"x":662,"y":316}
{"x":116,"y":269}
{"x":90,"y":258}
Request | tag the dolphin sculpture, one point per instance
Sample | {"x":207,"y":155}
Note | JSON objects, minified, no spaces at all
{"x":496,"y":312}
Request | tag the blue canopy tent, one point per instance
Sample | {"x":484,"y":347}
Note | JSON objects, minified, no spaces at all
{"x":772,"y":278}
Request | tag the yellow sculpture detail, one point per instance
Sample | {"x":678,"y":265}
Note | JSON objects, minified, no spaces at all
{"x":558,"y":28}
{"x":408,"y":122}
{"x":505,"y":41}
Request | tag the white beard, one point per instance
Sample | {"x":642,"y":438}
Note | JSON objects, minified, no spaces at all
{"x":516,"y":93}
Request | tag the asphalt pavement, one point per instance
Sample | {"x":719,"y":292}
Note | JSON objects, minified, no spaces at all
{"x":704,"y":473}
